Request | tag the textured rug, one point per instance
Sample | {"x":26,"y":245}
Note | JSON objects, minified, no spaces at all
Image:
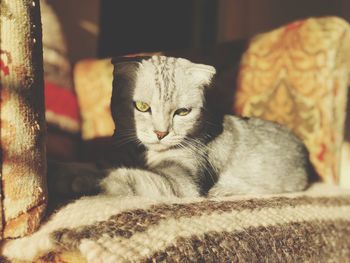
{"x":311,"y":226}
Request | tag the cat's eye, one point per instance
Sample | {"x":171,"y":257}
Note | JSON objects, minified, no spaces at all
{"x":142,"y":106}
{"x":182,"y":111}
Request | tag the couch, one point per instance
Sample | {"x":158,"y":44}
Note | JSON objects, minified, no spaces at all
{"x":297,"y":75}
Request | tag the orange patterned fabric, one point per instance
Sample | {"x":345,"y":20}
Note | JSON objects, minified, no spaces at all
{"x":298,"y":76}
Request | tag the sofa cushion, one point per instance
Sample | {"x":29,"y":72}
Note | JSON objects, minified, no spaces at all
{"x":93,"y":82}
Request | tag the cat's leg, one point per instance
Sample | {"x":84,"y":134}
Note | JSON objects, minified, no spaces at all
{"x":138,"y":182}
{"x":221,"y":189}
{"x":230,"y":184}
{"x":252,"y":182}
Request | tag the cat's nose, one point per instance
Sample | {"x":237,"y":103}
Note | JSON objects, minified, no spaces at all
{"x":161,"y":135}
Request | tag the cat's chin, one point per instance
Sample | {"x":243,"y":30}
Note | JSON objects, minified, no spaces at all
{"x":158,"y":147}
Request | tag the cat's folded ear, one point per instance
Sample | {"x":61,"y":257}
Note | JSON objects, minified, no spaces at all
{"x":126,"y":68}
{"x":201,"y":74}
{"x":126,"y":65}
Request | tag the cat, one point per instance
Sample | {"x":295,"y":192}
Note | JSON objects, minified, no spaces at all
{"x":179,"y":147}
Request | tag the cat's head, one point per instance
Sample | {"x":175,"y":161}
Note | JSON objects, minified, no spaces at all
{"x":159,"y":99}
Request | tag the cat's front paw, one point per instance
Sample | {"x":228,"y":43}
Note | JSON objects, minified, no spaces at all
{"x":73,"y":179}
{"x":119,"y":183}
{"x":221,"y":191}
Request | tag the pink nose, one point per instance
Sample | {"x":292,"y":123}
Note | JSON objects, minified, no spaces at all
{"x":161,"y":135}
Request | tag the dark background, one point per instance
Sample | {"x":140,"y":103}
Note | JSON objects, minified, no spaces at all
{"x":135,"y":26}
{"x":100,"y":28}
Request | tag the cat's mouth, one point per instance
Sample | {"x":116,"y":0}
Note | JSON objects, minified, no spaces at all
{"x":160,"y":145}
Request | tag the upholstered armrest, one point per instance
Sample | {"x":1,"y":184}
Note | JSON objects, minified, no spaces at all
{"x":22,"y":120}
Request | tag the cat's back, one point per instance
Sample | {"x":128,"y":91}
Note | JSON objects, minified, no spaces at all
{"x":255,"y":150}
{"x":254,"y":132}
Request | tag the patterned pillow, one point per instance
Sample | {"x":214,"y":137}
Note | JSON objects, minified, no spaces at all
{"x":298,"y":76}
{"x":93,"y":84}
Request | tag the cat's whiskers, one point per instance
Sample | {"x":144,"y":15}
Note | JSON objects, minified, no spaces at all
{"x":123,"y":138}
{"x":123,"y":143}
{"x":197,"y":147}
{"x":204,"y":148}
{"x":201,"y":163}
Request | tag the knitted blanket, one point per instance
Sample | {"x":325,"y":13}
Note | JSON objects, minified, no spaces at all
{"x":308,"y":226}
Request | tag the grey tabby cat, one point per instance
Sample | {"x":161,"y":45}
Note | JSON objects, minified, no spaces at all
{"x":180,"y":148}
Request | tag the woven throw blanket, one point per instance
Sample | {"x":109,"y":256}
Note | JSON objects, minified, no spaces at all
{"x":309,"y":226}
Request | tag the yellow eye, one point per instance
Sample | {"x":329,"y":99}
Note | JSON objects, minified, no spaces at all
{"x":182,"y":111}
{"x":142,"y":106}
